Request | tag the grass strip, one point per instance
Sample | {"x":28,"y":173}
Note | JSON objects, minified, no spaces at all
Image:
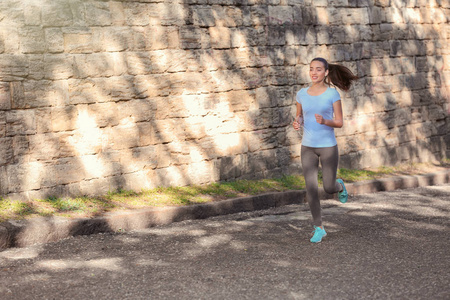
{"x":187,"y":195}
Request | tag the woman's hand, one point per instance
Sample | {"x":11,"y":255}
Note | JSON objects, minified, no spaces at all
{"x":319,"y":119}
{"x":296,"y":125}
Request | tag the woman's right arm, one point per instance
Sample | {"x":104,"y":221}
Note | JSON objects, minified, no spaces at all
{"x":297,"y":115}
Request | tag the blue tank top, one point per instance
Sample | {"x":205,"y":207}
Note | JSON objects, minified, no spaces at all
{"x":314,"y":134}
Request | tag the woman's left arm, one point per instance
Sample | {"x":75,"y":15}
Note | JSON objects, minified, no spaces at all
{"x":338,"y":120}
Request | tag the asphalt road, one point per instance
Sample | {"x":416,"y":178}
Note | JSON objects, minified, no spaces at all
{"x":389,"y":245}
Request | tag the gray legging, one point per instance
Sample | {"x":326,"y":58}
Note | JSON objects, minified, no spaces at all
{"x":329,"y":158}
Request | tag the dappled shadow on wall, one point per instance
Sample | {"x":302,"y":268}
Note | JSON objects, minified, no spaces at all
{"x":138,"y":95}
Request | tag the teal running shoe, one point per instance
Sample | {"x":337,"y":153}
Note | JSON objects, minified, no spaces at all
{"x":319,"y":233}
{"x":343,"y":196}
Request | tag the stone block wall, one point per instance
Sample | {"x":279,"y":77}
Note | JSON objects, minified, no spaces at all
{"x":98,"y":95}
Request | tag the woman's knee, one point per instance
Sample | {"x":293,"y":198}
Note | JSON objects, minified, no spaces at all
{"x":330,"y":188}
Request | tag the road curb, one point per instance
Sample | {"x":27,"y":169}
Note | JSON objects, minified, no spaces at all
{"x":44,"y":230}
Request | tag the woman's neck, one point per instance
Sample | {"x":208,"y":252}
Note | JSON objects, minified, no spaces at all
{"x":319,"y":85}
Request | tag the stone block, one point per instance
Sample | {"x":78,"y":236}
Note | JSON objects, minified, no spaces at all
{"x":220,"y":37}
{"x":32,"y":14}
{"x":226,"y":144}
{"x":415,"y":81}
{"x":403,"y":32}
{"x":139,"y":63}
{"x":338,"y":3}
{"x":393,"y":14}
{"x":44,"y":146}
{"x":24,"y":177}
{"x":422,"y":151}
{"x":240,"y":100}
{"x":170,"y":176}
{"x":136,"y":181}
{"x":78,"y":42}
{"x":281,"y":15}
{"x":358,"y":16}
{"x":94,"y":187}
{"x":62,"y":171}
{"x":78,"y":13}
{"x":256,"y":36}
{"x":32,"y":40}
{"x":2,"y":123}
{"x":201,"y":172}
{"x":43,"y":120}
{"x":20,"y":122}
{"x":273,"y":97}
{"x":195,"y":128}
{"x":21,"y":149}
{"x":338,"y":53}
{"x":404,"y":98}
{"x":41,"y":93}
{"x":167,"y":37}
{"x":321,"y":3}
{"x":138,"y":159}
{"x":439,"y":15}
{"x":231,"y":167}
{"x":287,"y":76}
{"x":2,"y":41}
{"x":276,"y":36}
{"x":54,"y":40}
{"x":36,"y":66}
{"x":123,"y":137}
{"x":223,"y":2}
{"x":18,"y":96}
{"x":167,"y":130}
{"x":309,"y":15}
{"x":102,"y":90}
{"x":149,"y":86}
{"x":104,"y":114}
{"x":262,"y":140}
{"x":176,"y":107}
{"x":443,"y":128}
{"x":87,"y":140}
{"x":233,"y":17}
{"x":98,"y":13}
{"x":141,"y":110}
{"x":113,"y":39}
{"x":190,"y":37}
{"x":94,"y":65}
{"x":398,"y":117}
{"x":58,"y":66}
{"x":117,"y":13}
{"x":408,"y":48}
{"x":239,"y":38}
{"x":406,"y":134}
{"x":6,"y":151}
{"x":144,"y":63}
{"x":412,"y":15}
{"x":259,"y":15}
{"x":136,"y":14}
{"x":203,"y":16}
{"x":164,"y":157}
{"x":170,"y":14}
{"x":146,"y":134}
{"x":5,"y":95}
{"x":57,"y":14}
{"x":262,"y":161}
{"x":64,"y":118}
{"x":435,"y":113}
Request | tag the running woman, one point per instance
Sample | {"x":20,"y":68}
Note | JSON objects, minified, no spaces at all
{"x":319,"y":110}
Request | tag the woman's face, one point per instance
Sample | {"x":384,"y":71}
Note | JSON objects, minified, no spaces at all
{"x":317,"y":71}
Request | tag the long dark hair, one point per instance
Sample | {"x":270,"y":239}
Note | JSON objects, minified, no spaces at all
{"x":338,"y":75}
